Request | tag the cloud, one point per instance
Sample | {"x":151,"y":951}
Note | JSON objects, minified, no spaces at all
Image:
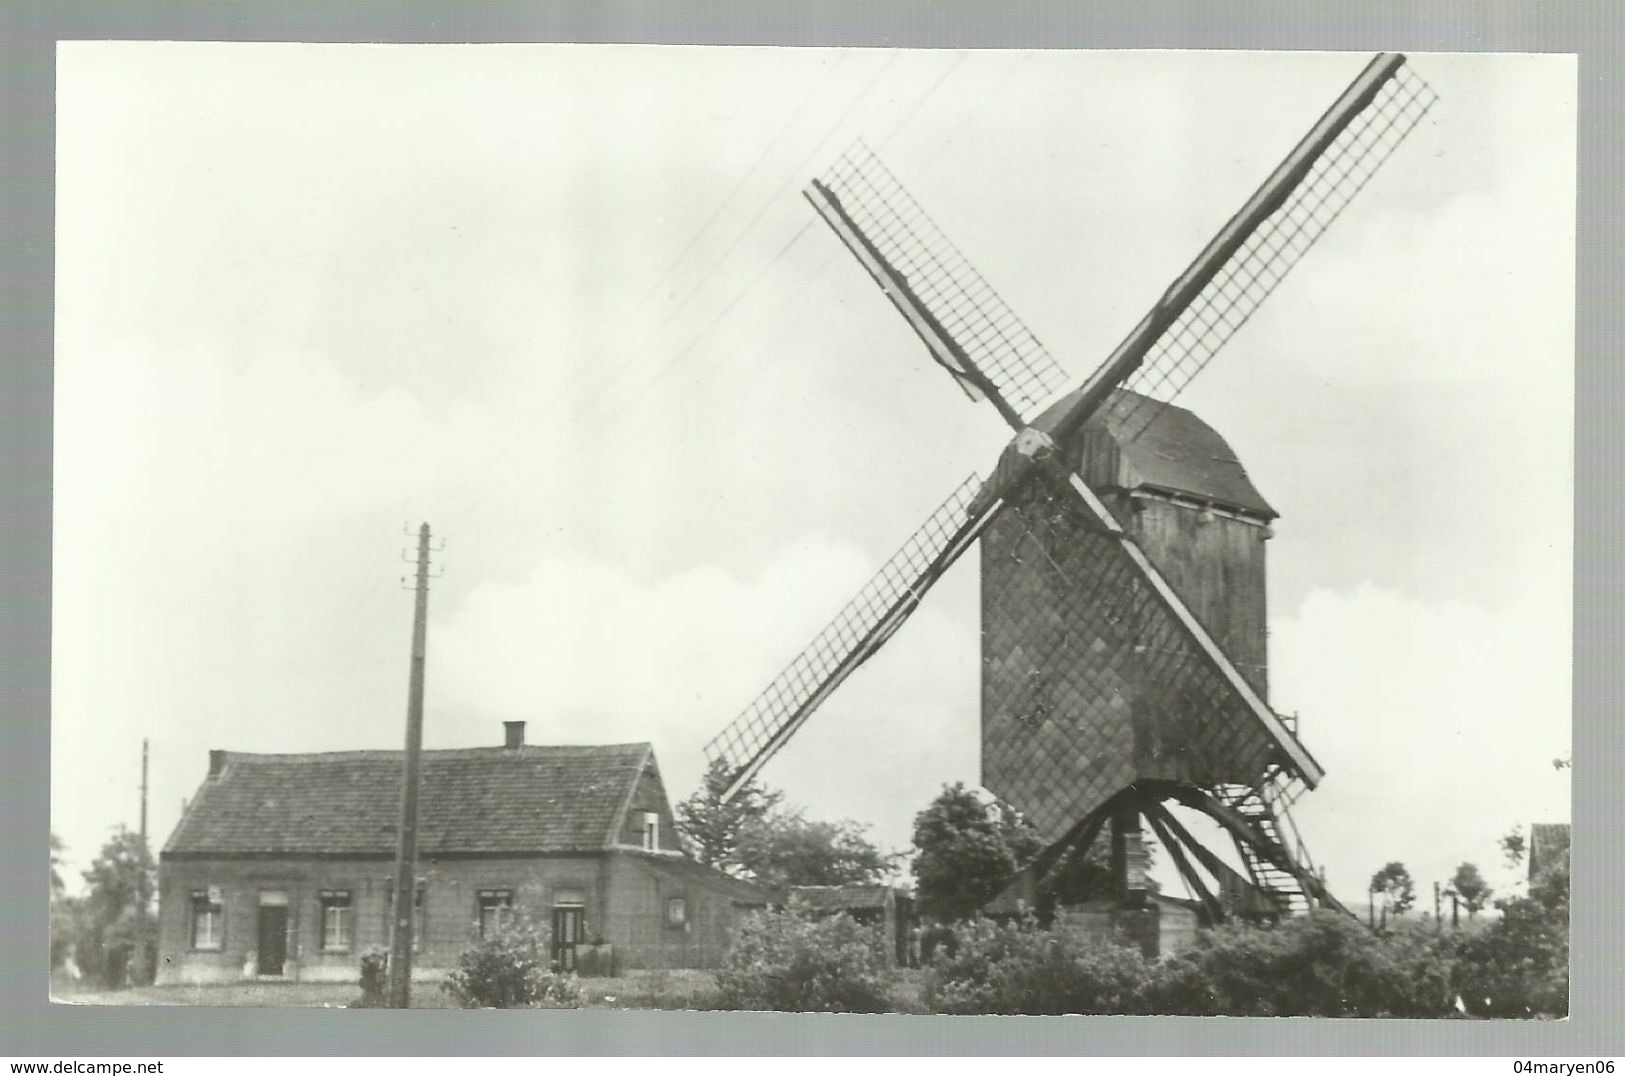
{"x":1436,"y":724}
{"x":586,"y":653}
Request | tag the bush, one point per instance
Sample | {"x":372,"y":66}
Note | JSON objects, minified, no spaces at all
{"x":374,"y":980}
{"x":1519,"y":965}
{"x":1323,"y":964}
{"x":511,"y":971}
{"x":1018,"y":968}
{"x":791,"y":962}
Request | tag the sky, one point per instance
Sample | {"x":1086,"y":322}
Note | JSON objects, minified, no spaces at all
{"x":567,"y":305}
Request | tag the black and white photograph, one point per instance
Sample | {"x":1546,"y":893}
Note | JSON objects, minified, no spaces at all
{"x":862,"y":530}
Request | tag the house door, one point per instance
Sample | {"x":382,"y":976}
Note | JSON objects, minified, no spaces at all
{"x":566,"y":935}
{"x":273,"y":933}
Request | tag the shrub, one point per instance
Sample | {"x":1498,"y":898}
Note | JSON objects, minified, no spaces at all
{"x":1323,"y":964}
{"x":791,"y":962}
{"x":1018,"y":968}
{"x":374,"y":979}
{"x":1519,"y":965}
{"x":511,"y":971}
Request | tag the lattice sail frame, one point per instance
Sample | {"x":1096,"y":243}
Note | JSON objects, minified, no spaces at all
{"x":968,"y":312}
{"x":861,"y":627}
{"x":1249,"y":275}
{"x":990,"y":351}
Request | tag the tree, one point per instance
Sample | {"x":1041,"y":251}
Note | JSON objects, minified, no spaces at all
{"x":65,"y":910}
{"x":965,"y":850}
{"x":1469,"y":887}
{"x":786,"y":848}
{"x":1519,"y":964}
{"x":57,"y":886}
{"x":713,"y":827}
{"x":117,"y":935}
{"x":1393,"y":884}
{"x":1514,"y":846}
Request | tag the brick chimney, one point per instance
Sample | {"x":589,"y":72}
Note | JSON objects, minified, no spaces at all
{"x":217,"y":762}
{"x":513,"y":735}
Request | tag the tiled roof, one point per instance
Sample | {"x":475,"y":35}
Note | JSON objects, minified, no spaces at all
{"x":485,"y":799}
{"x":828,"y":898}
{"x":1178,"y":453}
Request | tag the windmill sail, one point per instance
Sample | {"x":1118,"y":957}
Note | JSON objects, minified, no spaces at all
{"x":861,"y":629}
{"x":1255,"y":250}
{"x":968,"y":328}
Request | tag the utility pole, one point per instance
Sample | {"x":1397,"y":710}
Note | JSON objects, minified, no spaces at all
{"x":405,"y":893}
{"x":142,"y":891}
{"x":1438,"y":922}
{"x":143,"y":894}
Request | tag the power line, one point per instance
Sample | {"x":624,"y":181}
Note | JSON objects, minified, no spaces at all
{"x":920,"y":102}
{"x":772,"y":201}
{"x":959,"y":128}
{"x":716,"y":213}
{"x":664,"y":371}
{"x":640,"y":393}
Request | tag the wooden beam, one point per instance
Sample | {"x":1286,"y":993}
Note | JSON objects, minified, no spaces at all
{"x":943,"y":348}
{"x":1223,"y":873}
{"x":1128,"y":855}
{"x":1186,"y":871}
{"x":1266,"y":200}
{"x":1080,"y":836}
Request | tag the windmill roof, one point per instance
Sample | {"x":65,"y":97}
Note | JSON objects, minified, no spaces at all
{"x":1177,"y":453}
{"x":485,"y":799}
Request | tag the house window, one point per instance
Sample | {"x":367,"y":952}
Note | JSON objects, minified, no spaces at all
{"x":676,"y":911}
{"x":418,"y":921}
{"x":208,"y":919}
{"x":651,"y":830}
{"x":496,"y":911}
{"x":337,"y":920}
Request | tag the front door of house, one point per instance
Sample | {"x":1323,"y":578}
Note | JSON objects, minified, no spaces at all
{"x":566,"y":936}
{"x":273,"y":937}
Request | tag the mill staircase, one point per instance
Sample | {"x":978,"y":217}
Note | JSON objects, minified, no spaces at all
{"x":1265,"y":806}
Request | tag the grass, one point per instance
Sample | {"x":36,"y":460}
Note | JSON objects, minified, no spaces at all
{"x":675,"y":989}
{"x":635,"y":990}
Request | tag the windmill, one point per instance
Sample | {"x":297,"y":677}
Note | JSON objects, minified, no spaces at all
{"x":1122,"y":544}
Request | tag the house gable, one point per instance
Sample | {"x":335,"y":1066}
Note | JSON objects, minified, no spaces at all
{"x":647,"y":795}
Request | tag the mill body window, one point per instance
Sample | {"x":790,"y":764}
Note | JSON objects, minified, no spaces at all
{"x":208,"y":919}
{"x":338,"y":920}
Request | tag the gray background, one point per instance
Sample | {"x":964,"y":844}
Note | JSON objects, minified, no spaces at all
{"x":30,"y":33}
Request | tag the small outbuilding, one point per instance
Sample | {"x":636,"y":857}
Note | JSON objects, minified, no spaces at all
{"x":1548,"y":847}
{"x":880,"y":906}
{"x":282,"y":865}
